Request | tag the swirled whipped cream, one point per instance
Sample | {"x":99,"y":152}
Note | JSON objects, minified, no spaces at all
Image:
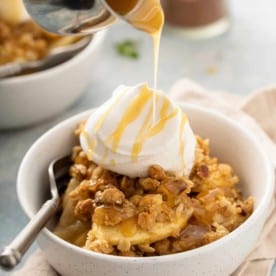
{"x":122,"y":136}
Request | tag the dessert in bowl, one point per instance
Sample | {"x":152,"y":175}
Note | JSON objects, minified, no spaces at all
{"x":229,"y":142}
{"x":47,"y":93}
{"x":38,"y":95}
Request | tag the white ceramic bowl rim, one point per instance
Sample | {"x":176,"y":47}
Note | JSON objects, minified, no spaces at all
{"x":95,"y":40}
{"x":263,"y":204}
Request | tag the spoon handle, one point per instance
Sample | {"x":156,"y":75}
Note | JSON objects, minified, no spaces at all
{"x":11,"y":255}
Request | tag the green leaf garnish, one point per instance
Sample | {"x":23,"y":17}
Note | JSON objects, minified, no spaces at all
{"x":128,"y":48}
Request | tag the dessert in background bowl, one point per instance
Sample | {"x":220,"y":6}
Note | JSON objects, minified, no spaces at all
{"x":229,"y":142}
{"x":22,"y":40}
{"x":30,"y":98}
{"x":25,"y":41}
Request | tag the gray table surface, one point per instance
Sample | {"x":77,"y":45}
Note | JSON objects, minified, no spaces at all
{"x":241,"y":60}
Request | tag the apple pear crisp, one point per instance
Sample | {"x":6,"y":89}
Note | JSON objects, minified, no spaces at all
{"x":26,"y":41}
{"x":159,"y":214}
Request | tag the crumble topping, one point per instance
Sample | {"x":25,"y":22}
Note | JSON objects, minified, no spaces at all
{"x":155,"y":215}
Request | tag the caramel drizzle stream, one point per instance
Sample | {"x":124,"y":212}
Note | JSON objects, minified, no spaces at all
{"x":156,"y":47}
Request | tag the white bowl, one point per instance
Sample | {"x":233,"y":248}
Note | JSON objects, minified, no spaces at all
{"x":229,"y":141}
{"x":28,"y":99}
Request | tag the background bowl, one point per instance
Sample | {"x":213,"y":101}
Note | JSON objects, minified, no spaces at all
{"x":229,"y":141}
{"x":28,"y":99}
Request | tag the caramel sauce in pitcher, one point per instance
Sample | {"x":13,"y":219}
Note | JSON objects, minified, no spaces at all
{"x":147,"y":16}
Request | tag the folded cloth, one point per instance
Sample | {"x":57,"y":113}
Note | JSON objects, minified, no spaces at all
{"x":257,"y":113}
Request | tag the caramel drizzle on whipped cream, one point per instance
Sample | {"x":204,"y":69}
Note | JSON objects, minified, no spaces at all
{"x":146,"y":131}
{"x":181,"y":138}
{"x":92,"y":143}
{"x":132,"y":112}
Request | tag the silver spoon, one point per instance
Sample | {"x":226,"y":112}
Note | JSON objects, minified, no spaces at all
{"x":54,"y":57}
{"x":58,"y":177}
{"x":72,"y":16}
{"x":79,"y":16}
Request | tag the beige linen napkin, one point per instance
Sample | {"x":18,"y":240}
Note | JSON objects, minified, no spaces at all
{"x":258,"y":113}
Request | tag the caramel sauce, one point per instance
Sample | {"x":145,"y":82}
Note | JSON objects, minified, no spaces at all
{"x":148,"y":17}
{"x":160,"y":125}
{"x":103,"y":117}
{"x":132,"y":112}
{"x":129,"y":227}
{"x":138,"y":143}
{"x":182,"y":125}
{"x":105,"y":155}
{"x":122,"y":7}
{"x":113,"y":162}
{"x":148,"y":131}
{"x":156,"y":47}
{"x":144,"y":15}
{"x":91,"y":144}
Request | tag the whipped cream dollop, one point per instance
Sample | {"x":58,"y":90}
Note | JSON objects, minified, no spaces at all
{"x":122,"y":136}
